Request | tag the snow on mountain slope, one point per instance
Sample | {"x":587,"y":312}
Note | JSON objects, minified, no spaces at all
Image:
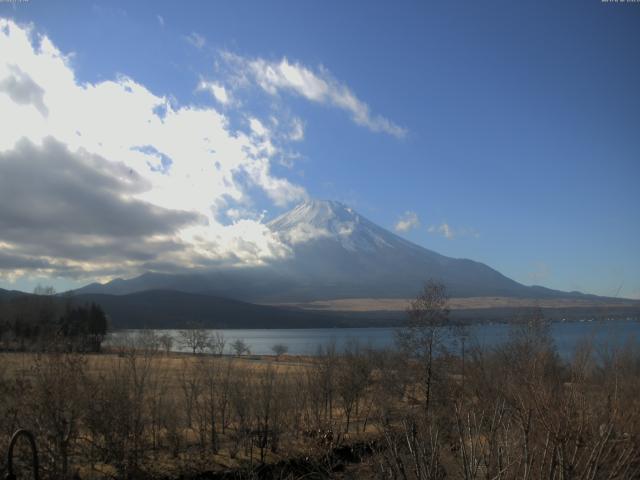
{"x":336,"y":248}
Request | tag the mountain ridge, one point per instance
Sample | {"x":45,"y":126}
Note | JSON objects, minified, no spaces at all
{"x":336,"y":253}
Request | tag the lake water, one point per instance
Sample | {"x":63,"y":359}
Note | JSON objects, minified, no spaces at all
{"x":567,"y":335}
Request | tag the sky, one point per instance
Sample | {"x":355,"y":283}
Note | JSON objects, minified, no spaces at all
{"x":141,"y":136}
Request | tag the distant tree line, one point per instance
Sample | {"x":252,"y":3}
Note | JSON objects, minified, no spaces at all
{"x":43,"y":321}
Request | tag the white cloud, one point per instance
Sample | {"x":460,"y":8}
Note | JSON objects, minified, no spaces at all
{"x":160,"y":19}
{"x":443,"y":229}
{"x":317,"y":86}
{"x":450,"y":233}
{"x":304,"y":232}
{"x":196,"y":40}
{"x":407,"y":221}
{"x":297,"y":130}
{"x":187,"y":157}
{"x":258,"y":128}
{"x":279,"y":190}
{"x":218,"y":91}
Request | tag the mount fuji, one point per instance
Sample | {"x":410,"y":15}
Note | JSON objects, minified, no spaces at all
{"x":336,"y":253}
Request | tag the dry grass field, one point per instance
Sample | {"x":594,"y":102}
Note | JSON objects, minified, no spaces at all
{"x":179,"y":398}
{"x":467,"y":303}
{"x":510,"y":412}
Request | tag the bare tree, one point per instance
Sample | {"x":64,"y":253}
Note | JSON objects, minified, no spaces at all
{"x":217,"y":344}
{"x":209,"y":370}
{"x":422,"y":335}
{"x":147,"y":341}
{"x":240,"y":347}
{"x":191,"y":386}
{"x":241,"y":402}
{"x":279,"y":349}
{"x":270,"y":409}
{"x":116,"y":416}
{"x":195,"y":338}
{"x":352,"y":379}
{"x":166,"y":341}
{"x":321,"y":383}
{"x":59,"y":381}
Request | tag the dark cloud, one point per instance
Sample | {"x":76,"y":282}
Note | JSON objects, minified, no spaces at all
{"x":92,"y":249}
{"x":23,"y":90}
{"x":12,"y":261}
{"x":65,"y":205}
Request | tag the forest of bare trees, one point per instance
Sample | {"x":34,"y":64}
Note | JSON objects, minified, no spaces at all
{"x":421,"y":411}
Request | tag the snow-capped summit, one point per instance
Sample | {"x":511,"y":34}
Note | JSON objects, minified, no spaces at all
{"x":328,"y":219}
{"x":320,"y":213}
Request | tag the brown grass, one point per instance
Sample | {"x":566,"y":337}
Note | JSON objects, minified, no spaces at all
{"x":401,"y":304}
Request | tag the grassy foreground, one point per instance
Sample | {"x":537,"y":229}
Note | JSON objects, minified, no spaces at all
{"x":516,"y":411}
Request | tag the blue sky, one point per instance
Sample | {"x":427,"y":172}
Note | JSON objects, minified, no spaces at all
{"x":505,"y":132}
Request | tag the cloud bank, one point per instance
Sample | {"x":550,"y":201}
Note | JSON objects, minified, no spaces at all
{"x":110,"y":178}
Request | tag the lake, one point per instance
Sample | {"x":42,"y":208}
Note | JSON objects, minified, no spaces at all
{"x":567,"y":336}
